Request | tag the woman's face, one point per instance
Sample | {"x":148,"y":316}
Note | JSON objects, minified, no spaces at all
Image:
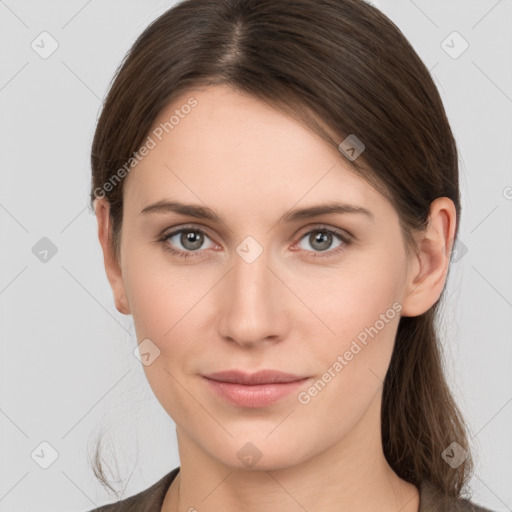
{"x":265,"y":287}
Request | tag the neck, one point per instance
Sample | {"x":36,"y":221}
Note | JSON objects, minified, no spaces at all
{"x":352,"y":475}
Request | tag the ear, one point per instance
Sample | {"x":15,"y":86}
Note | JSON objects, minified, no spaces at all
{"x":428,"y":268}
{"x":112,"y":266}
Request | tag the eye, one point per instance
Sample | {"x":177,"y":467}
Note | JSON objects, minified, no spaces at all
{"x":191,"y":239}
{"x":321,"y":240}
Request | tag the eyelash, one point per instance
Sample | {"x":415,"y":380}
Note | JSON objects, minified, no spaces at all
{"x":346,"y":241}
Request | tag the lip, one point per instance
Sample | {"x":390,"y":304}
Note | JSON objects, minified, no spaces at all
{"x":249,"y":379}
{"x":253,"y":390}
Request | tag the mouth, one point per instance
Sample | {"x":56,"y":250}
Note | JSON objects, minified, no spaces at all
{"x":253,"y":390}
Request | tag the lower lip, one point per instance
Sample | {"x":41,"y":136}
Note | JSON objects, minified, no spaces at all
{"x":259,"y":395}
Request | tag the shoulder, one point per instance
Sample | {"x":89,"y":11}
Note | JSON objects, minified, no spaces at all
{"x":433,"y":500}
{"x":148,"y":500}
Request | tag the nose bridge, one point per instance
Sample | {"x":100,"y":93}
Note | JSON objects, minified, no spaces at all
{"x":251,"y":310}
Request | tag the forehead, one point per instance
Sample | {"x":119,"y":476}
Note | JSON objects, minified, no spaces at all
{"x":234,"y":151}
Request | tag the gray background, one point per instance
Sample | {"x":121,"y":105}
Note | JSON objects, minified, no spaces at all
{"x":67,"y":366}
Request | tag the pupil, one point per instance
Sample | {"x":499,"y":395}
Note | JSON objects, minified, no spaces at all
{"x":193,"y":238}
{"x":322,"y":237}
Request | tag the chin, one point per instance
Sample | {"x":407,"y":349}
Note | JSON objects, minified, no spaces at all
{"x":260,"y":455}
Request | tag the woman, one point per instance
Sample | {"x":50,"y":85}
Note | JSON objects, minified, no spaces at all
{"x":276,"y":189}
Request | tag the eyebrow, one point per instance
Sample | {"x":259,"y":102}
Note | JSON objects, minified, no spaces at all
{"x":202,"y":212}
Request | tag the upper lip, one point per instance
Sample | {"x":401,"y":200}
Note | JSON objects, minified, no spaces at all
{"x":260,"y":377}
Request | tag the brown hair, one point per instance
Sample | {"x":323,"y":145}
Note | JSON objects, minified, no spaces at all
{"x":341,"y":67}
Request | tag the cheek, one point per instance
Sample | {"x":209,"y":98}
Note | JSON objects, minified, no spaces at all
{"x":353,"y":297}
{"x":361,"y":311}
{"x":162,"y":305}
{"x":170,"y":306}
{"x":155,"y":290}
{"x":166,"y":299}
{"x":351,"y":365}
{"x":333,"y":314}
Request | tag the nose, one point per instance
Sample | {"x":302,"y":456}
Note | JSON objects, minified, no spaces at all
{"x":253,"y":303}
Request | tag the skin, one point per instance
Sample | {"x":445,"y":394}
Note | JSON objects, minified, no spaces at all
{"x":215,"y":311}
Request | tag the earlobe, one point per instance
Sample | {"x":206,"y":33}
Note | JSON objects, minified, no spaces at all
{"x":429,"y":266}
{"x":112,"y":266}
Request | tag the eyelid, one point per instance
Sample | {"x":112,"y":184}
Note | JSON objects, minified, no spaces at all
{"x":303,"y":231}
{"x":166,"y":234}
{"x":344,"y":237}
{"x":343,"y":233}
{"x":177,"y":229}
